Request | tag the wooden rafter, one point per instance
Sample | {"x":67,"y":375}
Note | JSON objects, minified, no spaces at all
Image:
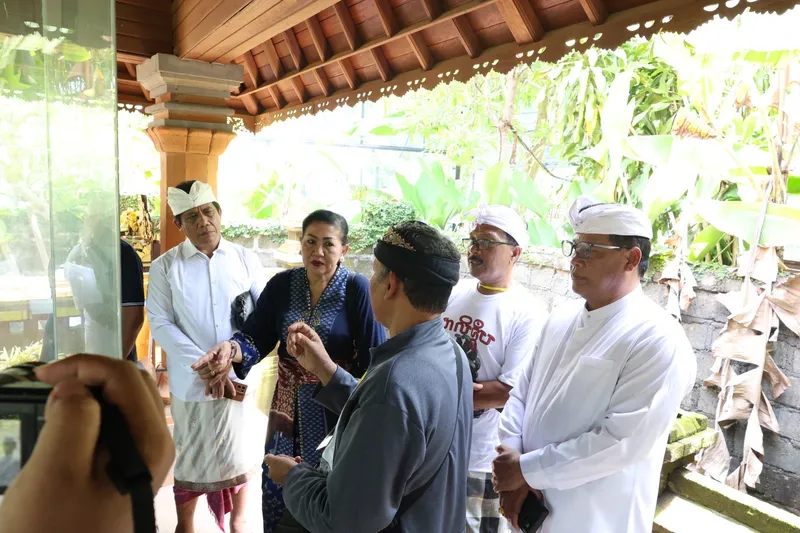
{"x":521,"y":20}
{"x":276,"y":96}
{"x":595,"y":10}
{"x":349,"y":72}
{"x":386,"y":15}
{"x":320,"y":42}
{"x":294,"y":49}
{"x":451,"y":14}
{"x":131,"y":68}
{"x":251,"y":105}
{"x":252,"y":78}
{"x":467,"y":36}
{"x":273,"y":58}
{"x":421,"y":50}
{"x":348,"y":26}
{"x":432,"y":8}
{"x":322,"y":81}
{"x":299,"y":88}
{"x":381,"y":63}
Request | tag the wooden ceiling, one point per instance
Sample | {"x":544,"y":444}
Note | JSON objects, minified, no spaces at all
{"x":303,"y":56}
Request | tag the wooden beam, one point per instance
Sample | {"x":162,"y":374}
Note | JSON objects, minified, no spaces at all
{"x":432,"y":8}
{"x":454,"y":13}
{"x":595,"y":10}
{"x":251,"y":76}
{"x":381,"y":63}
{"x":521,"y":20}
{"x":421,"y":50}
{"x":386,"y":15}
{"x":131,"y":68}
{"x":349,"y":73}
{"x":299,"y":88}
{"x":124,"y":57}
{"x":320,"y":42}
{"x":322,"y":81}
{"x":467,"y":36}
{"x":273,"y":58}
{"x":348,"y":26}
{"x":251,"y":104}
{"x":294,"y":49}
{"x":276,"y":96}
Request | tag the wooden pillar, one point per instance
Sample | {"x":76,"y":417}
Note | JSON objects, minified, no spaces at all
{"x":190,"y":123}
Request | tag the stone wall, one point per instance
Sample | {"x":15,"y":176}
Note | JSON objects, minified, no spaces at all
{"x":546,"y":275}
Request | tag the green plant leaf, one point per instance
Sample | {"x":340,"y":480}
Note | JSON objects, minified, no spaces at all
{"x":667,"y":185}
{"x":496,"y":185}
{"x":794,"y":185}
{"x":781,"y":224}
{"x":528,"y":195}
{"x":383,"y":130}
{"x":704,"y":242}
{"x":651,"y":149}
{"x":542,"y":233}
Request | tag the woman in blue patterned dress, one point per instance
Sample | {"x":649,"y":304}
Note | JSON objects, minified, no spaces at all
{"x":336,"y":304}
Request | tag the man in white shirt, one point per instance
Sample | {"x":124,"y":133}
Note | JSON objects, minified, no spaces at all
{"x":190,"y":292}
{"x":496,"y":322}
{"x":588,"y":420}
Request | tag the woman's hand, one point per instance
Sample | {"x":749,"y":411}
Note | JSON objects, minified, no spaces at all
{"x":304,"y":344}
{"x":64,"y":486}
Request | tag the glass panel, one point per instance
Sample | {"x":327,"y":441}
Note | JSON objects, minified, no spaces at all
{"x":59,"y":237}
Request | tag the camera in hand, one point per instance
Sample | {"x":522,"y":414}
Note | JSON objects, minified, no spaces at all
{"x":22,"y":401}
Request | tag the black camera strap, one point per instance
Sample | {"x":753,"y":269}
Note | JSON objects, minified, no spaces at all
{"x":126,"y":467}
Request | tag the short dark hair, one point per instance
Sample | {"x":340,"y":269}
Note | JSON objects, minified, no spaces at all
{"x":642,"y":243}
{"x":186,"y":186}
{"x":511,"y":240}
{"x":328,"y":217}
{"x":427,"y":240}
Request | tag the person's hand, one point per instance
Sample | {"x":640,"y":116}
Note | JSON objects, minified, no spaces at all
{"x":64,"y":486}
{"x":215,"y":366}
{"x":506,"y":470}
{"x":304,"y":344}
{"x":511,"y":503}
{"x":476,"y":387}
{"x":279,"y":466}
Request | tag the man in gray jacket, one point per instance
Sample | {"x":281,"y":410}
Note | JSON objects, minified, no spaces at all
{"x":400,"y":452}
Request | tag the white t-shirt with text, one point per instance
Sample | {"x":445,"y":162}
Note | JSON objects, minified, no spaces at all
{"x":500,"y":331}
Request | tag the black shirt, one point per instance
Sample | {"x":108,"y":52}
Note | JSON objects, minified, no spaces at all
{"x":132,"y":282}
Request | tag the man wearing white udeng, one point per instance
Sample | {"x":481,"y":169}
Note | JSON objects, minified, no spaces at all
{"x":588,"y":420}
{"x":190,"y":292}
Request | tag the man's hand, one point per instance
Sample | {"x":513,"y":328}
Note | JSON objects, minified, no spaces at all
{"x":304,"y":344}
{"x":64,"y":486}
{"x":214,"y":367}
{"x":506,"y":470}
{"x":511,"y":503}
{"x":476,"y":387}
{"x":279,"y":466}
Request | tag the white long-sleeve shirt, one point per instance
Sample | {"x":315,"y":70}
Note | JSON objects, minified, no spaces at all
{"x":592,"y":411}
{"x":189,"y":299}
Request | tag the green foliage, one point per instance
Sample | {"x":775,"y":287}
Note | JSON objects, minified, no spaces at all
{"x":271,"y":229}
{"x":436,"y":197}
{"x":376,"y":217}
{"x":19,"y":355}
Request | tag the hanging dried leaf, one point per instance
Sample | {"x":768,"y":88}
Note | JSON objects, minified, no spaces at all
{"x":786,"y":303}
{"x":687,"y":286}
{"x":715,"y":379}
{"x":778,"y":382}
{"x":756,"y":316}
{"x":714,"y":461}
{"x":747,"y":297}
{"x":766,"y":415}
{"x":689,"y":124}
{"x":740,"y":343}
{"x":765,"y":267}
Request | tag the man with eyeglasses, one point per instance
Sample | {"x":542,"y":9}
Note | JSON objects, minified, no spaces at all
{"x":588,"y":420}
{"x":496,"y":322}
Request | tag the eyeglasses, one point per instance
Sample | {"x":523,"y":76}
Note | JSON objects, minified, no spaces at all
{"x":483,"y":244}
{"x":584,"y":249}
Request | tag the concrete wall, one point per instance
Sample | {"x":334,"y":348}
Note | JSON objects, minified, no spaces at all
{"x":546,"y":275}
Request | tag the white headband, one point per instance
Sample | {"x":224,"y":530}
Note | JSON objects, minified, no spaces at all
{"x":504,"y":218}
{"x":589,"y":216}
{"x":199,"y":194}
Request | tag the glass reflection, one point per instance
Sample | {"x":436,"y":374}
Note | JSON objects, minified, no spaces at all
{"x":59,"y":237}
